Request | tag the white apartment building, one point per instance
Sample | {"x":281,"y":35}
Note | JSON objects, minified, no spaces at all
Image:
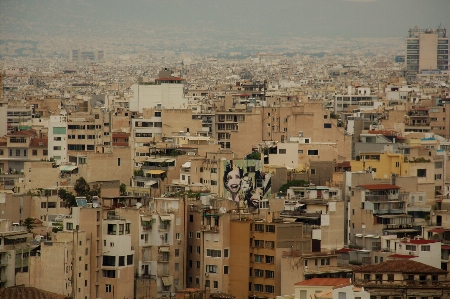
{"x":57,"y":138}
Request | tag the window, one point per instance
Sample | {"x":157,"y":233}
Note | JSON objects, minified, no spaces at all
{"x":367,"y":277}
{"x":198,"y":264}
{"x":269,"y":259}
{"x":69,"y":226}
{"x":300,"y":151}
{"x":108,"y":288}
{"x":313,"y":152}
{"x":270,"y":274}
{"x":216,"y":284}
{"x":259,"y":227}
{"x":425,"y":248}
{"x":213,"y":253}
{"x":198,"y":250}
{"x":121,"y":261}
{"x":211,"y":269}
{"x":258,"y":287}
{"x":18,"y":153}
{"x":118,"y":161}
{"x":411,"y":247}
{"x":198,"y":235}
{"x":270,"y":289}
{"x":390,"y":277}
{"x":225,"y":269}
{"x":312,"y":171}
{"x":259,"y":273}
{"x":421,"y":173}
{"x":34,"y":152}
{"x":225,"y":252}
{"x":270,"y":228}
{"x":191,"y":234}
{"x":282,"y":151}
{"x":397,"y":164}
{"x":109,"y":273}
{"x":327,"y":126}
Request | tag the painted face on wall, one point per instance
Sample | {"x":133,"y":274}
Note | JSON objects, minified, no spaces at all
{"x":246,"y":184}
{"x":234,"y":180}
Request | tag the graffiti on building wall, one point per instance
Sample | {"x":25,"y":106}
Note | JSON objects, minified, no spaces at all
{"x":245,"y":182}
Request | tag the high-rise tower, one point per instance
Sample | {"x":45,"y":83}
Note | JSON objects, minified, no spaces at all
{"x":426,"y":50}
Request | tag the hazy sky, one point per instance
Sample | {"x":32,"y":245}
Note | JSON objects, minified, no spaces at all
{"x":303,"y":18}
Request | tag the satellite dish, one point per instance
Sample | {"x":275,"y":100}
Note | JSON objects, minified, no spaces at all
{"x":223,"y":210}
{"x":138,"y":205}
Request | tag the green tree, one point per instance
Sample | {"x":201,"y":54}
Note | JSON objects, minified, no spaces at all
{"x":123,"y":189}
{"x":29,"y":224}
{"x":67,"y":197}
{"x":82,"y":187}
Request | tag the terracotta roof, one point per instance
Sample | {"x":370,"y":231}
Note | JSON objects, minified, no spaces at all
{"x":31,"y":133}
{"x":343,"y":164}
{"x":379,"y":187}
{"x":342,"y":250}
{"x":20,"y":292}
{"x":400,"y":265}
{"x":420,"y":241}
{"x":323,"y":282}
{"x":402,"y":256}
{"x":36,"y":141}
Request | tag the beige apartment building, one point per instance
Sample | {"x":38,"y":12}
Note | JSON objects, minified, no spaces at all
{"x":255,"y":255}
{"x":208,"y":245}
{"x":159,"y":240}
{"x":66,"y":257}
{"x":111,"y":259}
{"x":297,"y":266}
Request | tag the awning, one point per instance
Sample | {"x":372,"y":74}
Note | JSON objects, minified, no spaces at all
{"x":165,"y":217}
{"x":358,"y":235}
{"x":438,"y":230}
{"x":146,"y":218}
{"x":67,"y":168}
{"x":155,"y":171}
{"x":170,"y":160}
{"x":18,"y":237}
{"x":150,"y":183}
{"x":164,"y":249}
{"x":289,"y":219}
{"x":187,"y":164}
{"x":166,"y":281}
{"x":445,"y":247}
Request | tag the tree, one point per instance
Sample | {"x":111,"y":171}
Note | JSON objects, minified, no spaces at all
{"x":67,"y":197}
{"x":82,"y":187}
{"x":29,"y":224}
{"x":123,"y":189}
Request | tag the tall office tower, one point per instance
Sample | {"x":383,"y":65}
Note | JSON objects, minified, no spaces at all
{"x":426,"y":50}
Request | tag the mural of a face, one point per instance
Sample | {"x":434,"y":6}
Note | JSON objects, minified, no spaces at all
{"x":234,"y":180}
{"x":246,"y":184}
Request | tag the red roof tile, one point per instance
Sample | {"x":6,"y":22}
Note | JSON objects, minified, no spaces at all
{"x":323,"y":282}
{"x":31,"y":133}
{"x":399,"y":266}
{"x":421,"y":241}
{"x":343,"y":250}
{"x":379,"y":187}
{"x":402,"y":256}
{"x":35,"y":142}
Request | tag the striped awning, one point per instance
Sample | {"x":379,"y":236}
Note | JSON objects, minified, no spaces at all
{"x":67,"y":168}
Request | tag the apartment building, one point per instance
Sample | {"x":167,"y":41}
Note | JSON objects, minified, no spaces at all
{"x":377,"y":209}
{"x":426,"y":49}
{"x":255,"y":255}
{"x":297,"y":266}
{"x":57,"y":134}
{"x":14,"y":252}
{"x":111,"y":258}
{"x":208,"y":245}
{"x":166,"y":91}
{"x":159,"y":239}
{"x":66,"y":257}
{"x":402,"y":278}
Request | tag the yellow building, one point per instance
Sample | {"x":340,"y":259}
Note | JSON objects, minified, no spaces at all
{"x":383,"y":165}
